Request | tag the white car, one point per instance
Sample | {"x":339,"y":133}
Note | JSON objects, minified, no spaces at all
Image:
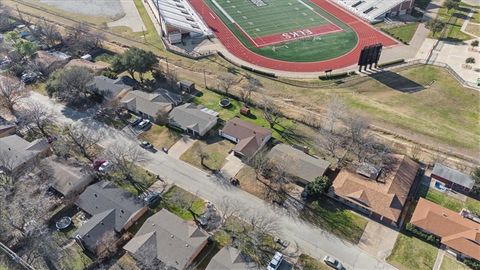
{"x":276,"y":261}
{"x":105,"y":167}
{"x":332,"y":262}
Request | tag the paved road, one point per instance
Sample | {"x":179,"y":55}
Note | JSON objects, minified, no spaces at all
{"x":309,"y":238}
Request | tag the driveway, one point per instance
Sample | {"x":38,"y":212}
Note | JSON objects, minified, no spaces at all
{"x":378,"y":239}
{"x":180,"y":147}
{"x":232,"y":166}
{"x":310,"y":239}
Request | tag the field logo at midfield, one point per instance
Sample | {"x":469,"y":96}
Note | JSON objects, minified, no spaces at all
{"x":298,"y":34}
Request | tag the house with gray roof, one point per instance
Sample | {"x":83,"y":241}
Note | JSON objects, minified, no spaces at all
{"x":169,"y":239}
{"x":109,"y":89}
{"x":68,"y":180}
{"x":298,"y":164}
{"x":150,"y":105}
{"x":17,"y":153}
{"x":230,"y":258}
{"x":192,"y":119}
{"x":111,"y":209}
{"x":452,"y":178}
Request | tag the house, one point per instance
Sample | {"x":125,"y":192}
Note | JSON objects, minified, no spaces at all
{"x":380,"y":193}
{"x":298,"y":164}
{"x":68,"y":180}
{"x":249,"y":138}
{"x":459,"y":234}
{"x":51,"y":60}
{"x":108,"y":88}
{"x":230,"y":258}
{"x":452,"y":178}
{"x":150,"y":105}
{"x":7,"y":129}
{"x":111,"y":209}
{"x":18,"y":153}
{"x":169,"y":239}
{"x":97,"y":66}
{"x":192,"y":119}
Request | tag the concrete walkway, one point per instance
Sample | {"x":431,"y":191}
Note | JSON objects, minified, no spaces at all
{"x":232,"y":166}
{"x":180,"y":147}
{"x":310,"y":239}
{"x":439,"y":259}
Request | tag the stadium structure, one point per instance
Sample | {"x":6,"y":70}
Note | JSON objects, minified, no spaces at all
{"x":282,"y":35}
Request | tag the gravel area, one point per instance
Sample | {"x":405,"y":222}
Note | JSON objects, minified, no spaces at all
{"x":108,"y":8}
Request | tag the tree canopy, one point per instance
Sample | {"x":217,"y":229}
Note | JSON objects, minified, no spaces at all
{"x":69,"y":84}
{"x":135,"y":60}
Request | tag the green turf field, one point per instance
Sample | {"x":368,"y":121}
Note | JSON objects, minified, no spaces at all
{"x":307,"y":50}
{"x":260,"y":21}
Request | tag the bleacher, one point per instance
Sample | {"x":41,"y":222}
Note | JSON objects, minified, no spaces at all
{"x":181,"y":15}
{"x":370,"y":10}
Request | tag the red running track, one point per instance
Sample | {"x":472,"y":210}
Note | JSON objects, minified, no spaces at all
{"x":367,"y":35}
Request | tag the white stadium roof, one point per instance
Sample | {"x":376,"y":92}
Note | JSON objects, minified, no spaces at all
{"x":179,"y":14}
{"x":369,"y":10}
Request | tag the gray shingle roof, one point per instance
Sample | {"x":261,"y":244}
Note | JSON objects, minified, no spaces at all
{"x":103,"y":196}
{"x":169,"y":238}
{"x":68,"y":180}
{"x":107,"y":87}
{"x":191,"y":116}
{"x":229,"y":258}
{"x":20,"y":151}
{"x":297,"y":163}
{"x":94,"y":229}
{"x":148,"y":103}
{"x":453,"y":175}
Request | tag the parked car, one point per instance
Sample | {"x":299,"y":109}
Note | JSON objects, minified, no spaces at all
{"x":97,"y":163}
{"x":150,"y":198}
{"x":276,"y":261}
{"x":146,"y":145}
{"x":136,"y":122}
{"x":105,"y":167}
{"x":332,"y":262}
{"x":282,"y":243}
{"x":144,"y":123}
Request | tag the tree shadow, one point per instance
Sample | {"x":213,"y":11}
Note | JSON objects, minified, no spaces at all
{"x":397,"y":82}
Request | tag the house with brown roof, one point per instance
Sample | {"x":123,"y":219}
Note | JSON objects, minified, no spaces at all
{"x":459,"y":234}
{"x":380,"y":193}
{"x":249,"y":138}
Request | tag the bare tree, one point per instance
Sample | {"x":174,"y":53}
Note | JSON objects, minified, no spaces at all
{"x":271,"y":112}
{"x":49,"y":32}
{"x":171,"y":76}
{"x":107,"y":246}
{"x":226,"y":81}
{"x":80,"y":39}
{"x":8,"y":166}
{"x":336,"y":110}
{"x":252,"y":85}
{"x":228,"y":208}
{"x":82,"y":140}
{"x":38,"y":118}
{"x":12,"y":91}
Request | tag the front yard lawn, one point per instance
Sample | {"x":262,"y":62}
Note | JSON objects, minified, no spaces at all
{"x":139,"y":174}
{"x":160,"y":136}
{"x":308,"y":263}
{"x":412,"y":253}
{"x":335,"y":218}
{"x":451,"y":202}
{"x":177,"y":201}
{"x":214,"y":148}
{"x":450,"y":263}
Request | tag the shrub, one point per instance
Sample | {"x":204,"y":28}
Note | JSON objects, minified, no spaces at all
{"x":472,"y":263}
{"x":474,"y":43}
{"x":429,"y":238}
{"x":470,"y":60}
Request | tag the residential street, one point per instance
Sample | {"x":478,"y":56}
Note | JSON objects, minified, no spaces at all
{"x":309,"y":238}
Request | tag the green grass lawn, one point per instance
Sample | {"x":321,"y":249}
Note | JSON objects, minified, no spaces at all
{"x":335,"y":218}
{"x":177,"y":201}
{"x":308,"y":263}
{"x":139,"y":174}
{"x":160,"y":136}
{"x":307,"y":50}
{"x":74,"y":259}
{"x":476,"y":16}
{"x":450,"y":263}
{"x":412,"y":253}
{"x":452,"y":203}
{"x":216,"y":148}
{"x":453,"y":28}
{"x":403,"y":33}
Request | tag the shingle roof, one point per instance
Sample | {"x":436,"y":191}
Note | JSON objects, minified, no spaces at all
{"x":20,"y":150}
{"x":298,"y":163}
{"x":148,"y":103}
{"x":251,"y":137}
{"x":95,"y":228}
{"x":68,"y":179}
{"x":193,"y":117}
{"x":387,"y":196}
{"x":229,"y":258}
{"x":107,"y":87}
{"x":453,"y":175}
{"x":105,"y":195}
{"x":168,"y":238}
{"x":456,"y":232}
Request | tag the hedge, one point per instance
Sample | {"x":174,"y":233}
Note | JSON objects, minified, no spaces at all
{"x":429,"y":238}
{"x":472,"y":263}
